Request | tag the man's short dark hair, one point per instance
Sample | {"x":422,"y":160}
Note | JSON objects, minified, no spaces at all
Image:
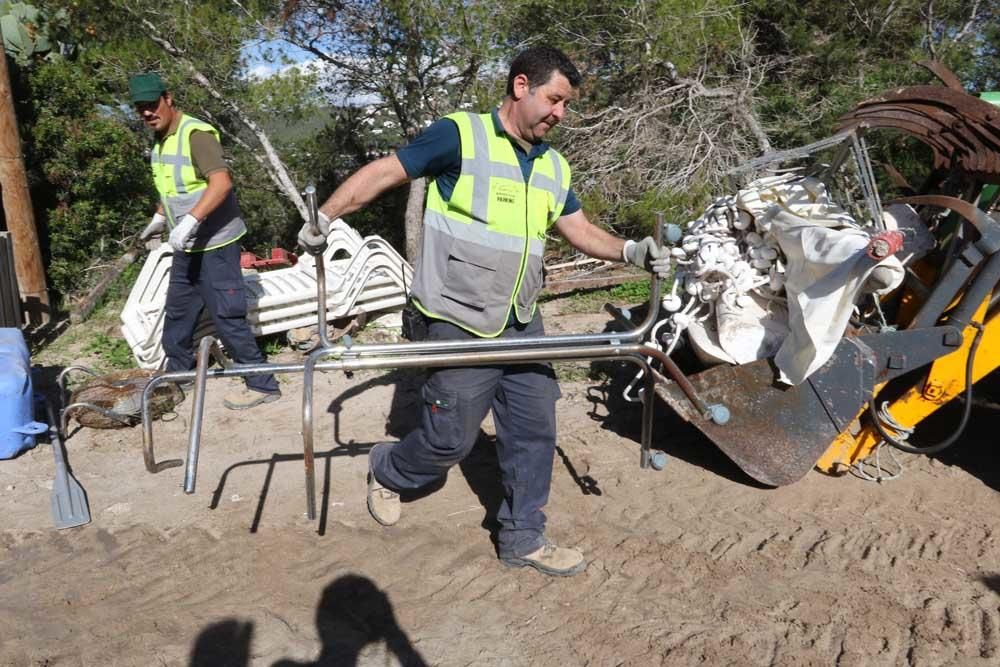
{"x":538,"y":63}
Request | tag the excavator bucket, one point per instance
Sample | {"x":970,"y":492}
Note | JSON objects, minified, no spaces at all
{"x":776,"y":432}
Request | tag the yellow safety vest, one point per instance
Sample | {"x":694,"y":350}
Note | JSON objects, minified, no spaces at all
{"x":180,"y":188}
{"x":482,"y":249}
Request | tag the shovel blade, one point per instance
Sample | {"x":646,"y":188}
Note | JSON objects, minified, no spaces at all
{"x":69,"y":505}
{"x":777,"y":433}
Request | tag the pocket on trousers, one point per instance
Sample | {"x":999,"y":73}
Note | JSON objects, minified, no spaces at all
{"x":230,"y":298}
{"x":471,"y":272}
{"x":442,"y":421}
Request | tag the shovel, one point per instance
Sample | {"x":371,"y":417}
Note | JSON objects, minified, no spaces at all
{"x":69,"y":500}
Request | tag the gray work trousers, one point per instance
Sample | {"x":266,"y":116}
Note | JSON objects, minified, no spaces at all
{"x":455,"y":402}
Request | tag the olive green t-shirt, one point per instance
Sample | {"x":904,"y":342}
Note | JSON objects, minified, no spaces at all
{"x":206,"y":153}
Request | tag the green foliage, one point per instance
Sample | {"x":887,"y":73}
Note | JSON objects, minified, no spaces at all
{"x":400,"y":64}
{"x":631,"y":292}
{"x":622,"y":44}
{"x":273,"y":344}
{"x":28,"y":32}
{"x":97,"y":190}
{"x":829,"y":60}
{"x":592,"y":300}
{"x":114,"y":352}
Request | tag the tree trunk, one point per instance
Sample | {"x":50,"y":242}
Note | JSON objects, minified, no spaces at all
{"x":17,"y":208}
{"x":414,"y":219}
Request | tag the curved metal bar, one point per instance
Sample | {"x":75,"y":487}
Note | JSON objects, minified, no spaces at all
{"x":61,"y":379}
{"x":633,"y":353}
{"x":308,"y":449}
{"x":80,"y":405}
{"x":147,"y":423}
{"x":235,"y":370}
{"x":310,"y":196}
{"x":197,"y":413}
{"x":988,"y":228}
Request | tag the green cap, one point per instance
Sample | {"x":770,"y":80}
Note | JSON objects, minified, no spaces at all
{"x":146,"y":87}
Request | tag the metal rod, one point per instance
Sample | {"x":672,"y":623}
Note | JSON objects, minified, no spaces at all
{"x":357,"y":363}
{"x":236,"y":370}
{"x":82,"y":405}
{"x":197,"y":413}
{"x":310,"y":195}
{"x":632,"y":352}
{"x":982,"y":286}
{"x":61,"y":382}
{"x":646,"y":440}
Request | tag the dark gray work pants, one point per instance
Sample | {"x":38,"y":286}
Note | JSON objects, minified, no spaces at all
{"x":211,"y":280}
{"x":456,"y":401}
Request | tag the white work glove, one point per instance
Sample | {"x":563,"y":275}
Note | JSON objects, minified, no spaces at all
{"x":312,"y":242}
{"x":155,"y":226}
{"x":647,"y":255}
{"x":182,"y":235}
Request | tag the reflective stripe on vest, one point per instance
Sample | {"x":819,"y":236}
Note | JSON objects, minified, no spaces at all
{"x":181,"y":188}
{"x":482,"y":250}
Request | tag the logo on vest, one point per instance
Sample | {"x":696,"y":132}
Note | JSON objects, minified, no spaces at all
{"x":505,"y":194}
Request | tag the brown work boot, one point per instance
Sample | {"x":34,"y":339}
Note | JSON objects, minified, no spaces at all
{"x":244,"y":398}
{"x":383,"y":503}
{"x":551,"y":560}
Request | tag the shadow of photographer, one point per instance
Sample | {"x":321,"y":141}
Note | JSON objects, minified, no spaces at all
{"x":352,"y":615}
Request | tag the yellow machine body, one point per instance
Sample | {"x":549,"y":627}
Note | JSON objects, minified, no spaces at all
{"x":944,"y":381}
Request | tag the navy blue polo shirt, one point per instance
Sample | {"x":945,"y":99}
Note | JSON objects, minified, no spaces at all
{"x":437,"y":153}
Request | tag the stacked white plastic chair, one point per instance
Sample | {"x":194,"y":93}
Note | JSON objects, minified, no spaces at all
{"x":361,"y":274}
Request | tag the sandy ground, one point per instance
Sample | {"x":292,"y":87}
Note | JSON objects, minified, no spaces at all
{"x":692,"y":564}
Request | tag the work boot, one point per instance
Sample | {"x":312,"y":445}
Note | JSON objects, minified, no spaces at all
{"x":245,"y":398}
{"x":551,"y":560}
{"x":383,"y":503}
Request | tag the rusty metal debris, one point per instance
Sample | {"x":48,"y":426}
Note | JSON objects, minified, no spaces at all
{"x":962,"y":131}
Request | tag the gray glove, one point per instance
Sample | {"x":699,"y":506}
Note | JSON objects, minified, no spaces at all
{"x":155,"y":226}
{"x":312,"y":242}
{"x":647,"y":255}
{"x":182,"y":235}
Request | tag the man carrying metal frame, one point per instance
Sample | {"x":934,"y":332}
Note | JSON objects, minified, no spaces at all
{"x":496,"y":189}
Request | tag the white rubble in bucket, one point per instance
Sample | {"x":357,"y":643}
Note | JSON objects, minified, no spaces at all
{"x":731,"y":290}
{"x":729,"y":285}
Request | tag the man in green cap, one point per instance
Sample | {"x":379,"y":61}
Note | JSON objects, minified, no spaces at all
{"x":198,"y":206}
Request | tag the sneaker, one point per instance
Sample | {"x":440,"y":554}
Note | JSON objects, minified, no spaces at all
{"x":551,"y":560}
{"x":244,"y":399}
{"x":383,"y":503}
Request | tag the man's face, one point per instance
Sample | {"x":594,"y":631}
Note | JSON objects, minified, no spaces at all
{"x":541,"y":108}
{"x":157,"y":115}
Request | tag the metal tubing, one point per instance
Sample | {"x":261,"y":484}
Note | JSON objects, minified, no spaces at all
{"x":80,"y":405}
{"x":615,"y":345}
{"x":310,"y":195}
{"x":197,"y":412}
{"x":647,"y":419}
{"x":61,"y":381}
{"x":429,"y":354}
{"x":235,"y":370}
{"x":982,"y":286}
{"x":632,"y":353}
{"x":357,"y":363}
